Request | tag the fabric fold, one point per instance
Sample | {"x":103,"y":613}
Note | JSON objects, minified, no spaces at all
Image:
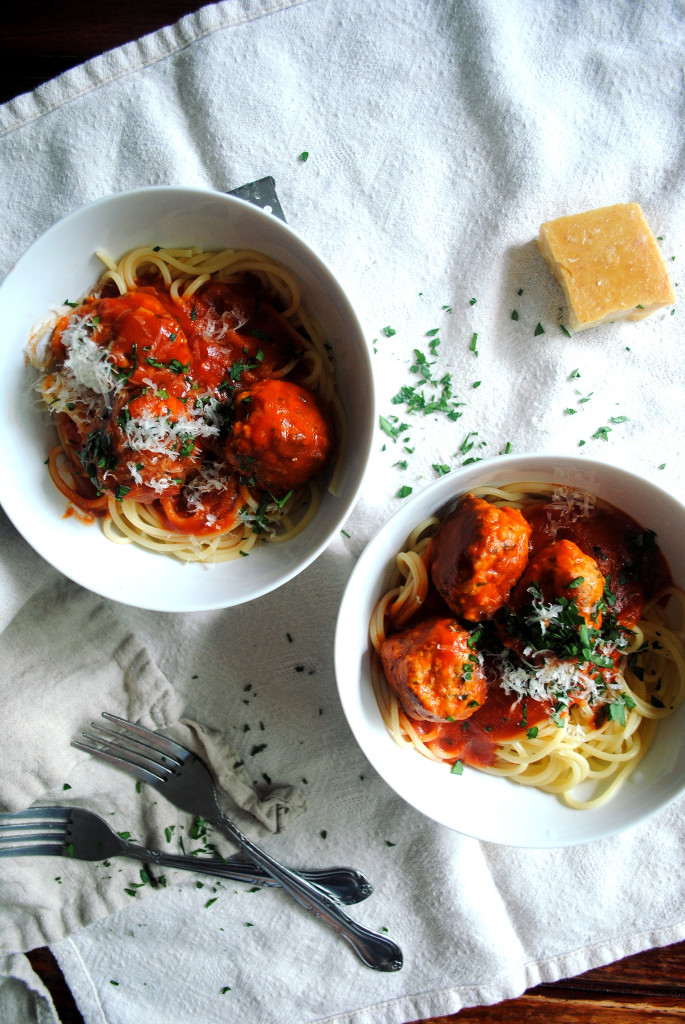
{"x":439,"y":136}
{"x":67,"y":658}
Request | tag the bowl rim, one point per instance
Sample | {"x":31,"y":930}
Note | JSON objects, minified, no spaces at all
{"x":366,"y":583}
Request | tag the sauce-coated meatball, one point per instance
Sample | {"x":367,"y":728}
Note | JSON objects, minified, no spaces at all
{"x":281,"y":435}
{"x":563,"y":570}
{"x":237,"y":338}
{"x":477,"y":557}
{"x":151,"y":452}
{"x":433,"y":670}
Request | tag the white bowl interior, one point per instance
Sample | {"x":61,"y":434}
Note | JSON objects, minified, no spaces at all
{"x":61,"y":265}
{"x":475,"y":804}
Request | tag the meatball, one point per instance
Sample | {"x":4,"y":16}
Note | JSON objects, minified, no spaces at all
{"x":231,"y":305}
{"x":138,"y":337}
{"x":149,"y":450}
{"x":281,"y":436}
{"x":237,"y":338}
{"x":477,"y":556}
{"x":563,"y":570}
{"x":433,"y":670}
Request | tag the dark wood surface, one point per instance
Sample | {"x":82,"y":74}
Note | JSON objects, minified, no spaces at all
{"x":38,"y":40}
{"x":41,"y":38}
{"x":648,"y":988}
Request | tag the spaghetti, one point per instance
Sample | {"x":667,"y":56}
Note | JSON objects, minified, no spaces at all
{"x":574,"y":684}
{"x":194,"y":400}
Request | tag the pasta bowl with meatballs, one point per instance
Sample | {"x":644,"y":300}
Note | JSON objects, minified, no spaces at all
{"x":178,"y":368}
{"x":510,"y":650}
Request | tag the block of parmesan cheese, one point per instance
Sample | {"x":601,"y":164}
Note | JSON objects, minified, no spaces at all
{"x":608,"y":264}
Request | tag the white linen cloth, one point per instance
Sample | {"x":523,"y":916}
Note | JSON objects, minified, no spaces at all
{"x":440,"y":135}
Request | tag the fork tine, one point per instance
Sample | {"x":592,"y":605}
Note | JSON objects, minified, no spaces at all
{"x":36,"y":814}
{"x":18,"y":829}
{"x":133,"y":769}
{"x":46,"y":850}
{"x":12,"y":842}
{"x":131,"y":745}
{"x":151,"y":739}
{"x":12,"y":830}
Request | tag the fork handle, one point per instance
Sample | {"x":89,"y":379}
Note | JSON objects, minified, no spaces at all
{"x":344,"y":885}
{"x":377,"y":951}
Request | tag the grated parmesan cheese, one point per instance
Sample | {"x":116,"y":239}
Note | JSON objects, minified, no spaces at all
{"x":135,"y":472}
{"x":548,"y":676}
{"x":62,"y":393}
{"x":559,"y":680}
{"x":86,"y":361}
{"x":160,"y":435}
{"x":266,"y":521}
{"x":160,"y":485}
{"x":215,"y":328}
{"x":571,"y":504}
{"x":211,"y":476}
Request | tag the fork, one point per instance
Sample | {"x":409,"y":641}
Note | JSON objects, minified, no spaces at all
{"x":186,"y":782}
{"x":84,"y":835}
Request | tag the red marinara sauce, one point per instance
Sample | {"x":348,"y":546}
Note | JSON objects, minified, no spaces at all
{"x":635,"y":571}
{"x":500,"y":718}
{"x":172,"y":364}
{"x":625,"y":552}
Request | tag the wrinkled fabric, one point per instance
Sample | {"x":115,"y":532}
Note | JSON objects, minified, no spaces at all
{"x":439,"y":137}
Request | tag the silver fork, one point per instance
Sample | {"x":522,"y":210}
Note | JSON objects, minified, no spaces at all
{"x":84,"y":835}
{"x":187,"y":783}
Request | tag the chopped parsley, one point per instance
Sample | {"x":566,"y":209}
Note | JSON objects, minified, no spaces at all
{"x":574,"y":654}
{"x":176,"y":366}
{"x":617,"y":708}
{"x":96,"y":454}
{"x":392,"y":427}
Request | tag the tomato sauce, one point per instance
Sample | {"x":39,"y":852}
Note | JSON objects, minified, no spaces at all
{"x":635,"y":571}
{"x":177,"y":370}
{"x":502,"y":717}
{"x":624,"y":552}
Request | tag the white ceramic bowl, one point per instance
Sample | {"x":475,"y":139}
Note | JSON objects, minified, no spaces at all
{"x":61,"y":264}
{"x":475,"y":804}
